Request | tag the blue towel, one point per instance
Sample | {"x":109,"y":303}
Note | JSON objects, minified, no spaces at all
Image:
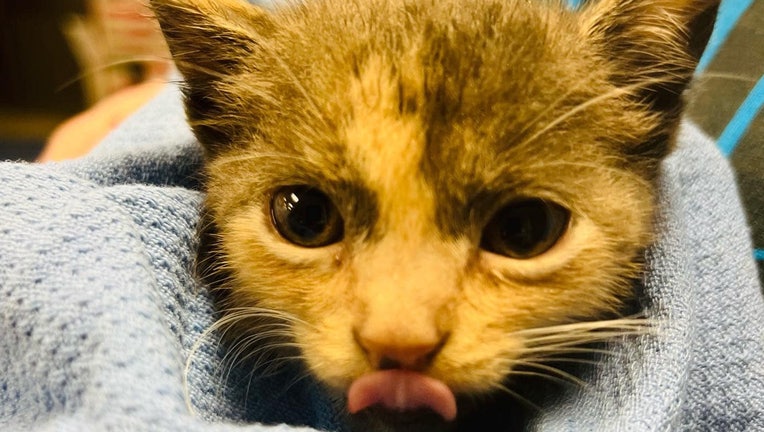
{"x":99,"y":309}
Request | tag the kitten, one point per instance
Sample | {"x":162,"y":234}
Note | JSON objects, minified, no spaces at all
{"x":429,"y":197}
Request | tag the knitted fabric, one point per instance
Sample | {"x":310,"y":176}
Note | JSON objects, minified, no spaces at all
{"x":99,"y":308}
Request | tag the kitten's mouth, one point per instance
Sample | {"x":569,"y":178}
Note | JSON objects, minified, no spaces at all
{"x":401,"y":390}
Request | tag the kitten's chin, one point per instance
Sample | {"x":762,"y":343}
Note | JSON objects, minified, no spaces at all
{"x":380,"y":419}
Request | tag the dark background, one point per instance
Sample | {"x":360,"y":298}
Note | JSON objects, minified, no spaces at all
{"x":35,"y":66}
{"x":715,"y":99}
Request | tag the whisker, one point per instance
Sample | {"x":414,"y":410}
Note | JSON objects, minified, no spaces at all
{"x":539,"y":375}
{"x":575,"y":338}
{"x":91,"y":71}
{"x":273,"y":331}
{"x":545,"y":111}
{"x":562,"y":343}
{"x":628,"y":323}
{"x":553,"y":370}
{"x":187,"y":368}
{"x":612,"y":94}
{"x":553,"y":359}
{"x":517,"y":396}
{"x":258,"y":348}
{"x":567,"y":349}
{"x":617,"y":92}
{"x":295,"y":381}
{"x":259,"y":312}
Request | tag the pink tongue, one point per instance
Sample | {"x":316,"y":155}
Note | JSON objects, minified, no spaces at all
{"x":402,"y":390}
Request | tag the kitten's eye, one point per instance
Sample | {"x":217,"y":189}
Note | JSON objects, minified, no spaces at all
{"x":306,"y":217}
{"x":525,"y":229}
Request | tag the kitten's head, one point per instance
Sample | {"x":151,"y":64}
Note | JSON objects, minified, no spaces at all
{"x":429,"y":184}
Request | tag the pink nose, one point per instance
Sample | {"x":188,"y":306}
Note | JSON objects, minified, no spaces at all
{"x":389,"y":353}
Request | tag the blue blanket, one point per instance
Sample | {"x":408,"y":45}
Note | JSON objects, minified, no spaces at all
{"x":99,"y":308}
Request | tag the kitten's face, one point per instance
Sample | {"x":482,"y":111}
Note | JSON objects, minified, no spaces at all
{"x":433,"y":186}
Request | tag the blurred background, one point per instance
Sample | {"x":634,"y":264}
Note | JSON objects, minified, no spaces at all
{"x":59,"y":57}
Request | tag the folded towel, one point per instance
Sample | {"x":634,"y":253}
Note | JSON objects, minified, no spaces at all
{"x":99,"y":308}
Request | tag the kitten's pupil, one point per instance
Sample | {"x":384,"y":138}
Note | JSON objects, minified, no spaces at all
{"x":306,"y":217}
{"x":525,"y":229}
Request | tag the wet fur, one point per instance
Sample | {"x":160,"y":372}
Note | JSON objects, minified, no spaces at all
{"x":420,"y":118}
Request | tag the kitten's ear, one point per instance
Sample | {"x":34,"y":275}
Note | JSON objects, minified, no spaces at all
{"x":211,"y":38}
{"x":212,"y":41}
{"x":654,"y":42}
